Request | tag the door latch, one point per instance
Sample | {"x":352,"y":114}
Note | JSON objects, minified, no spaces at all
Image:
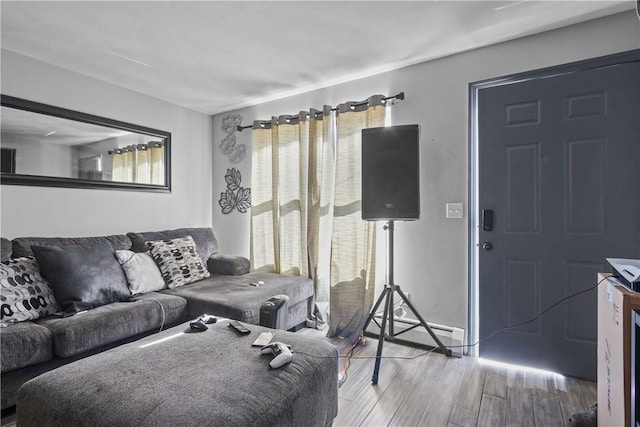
{"x":487,"y":220}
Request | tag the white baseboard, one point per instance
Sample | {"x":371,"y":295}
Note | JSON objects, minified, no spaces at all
{"x":451,"y":337}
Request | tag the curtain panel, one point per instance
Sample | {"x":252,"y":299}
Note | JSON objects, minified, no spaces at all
{"x":353,"y":240}
{"x":140,"y":163}
{"x":306,"y":216}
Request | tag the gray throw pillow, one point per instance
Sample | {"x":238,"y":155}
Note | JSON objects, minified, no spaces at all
{"x":83,"y":276}
{"x":24,"y":294}
{"x":178,"y":261}
{"x":205,"y":240}
{"x":141,"y":270}
{"x":5,"y":249}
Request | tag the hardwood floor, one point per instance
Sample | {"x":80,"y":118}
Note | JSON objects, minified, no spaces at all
{"x":8,"y":418}
{"x":434,"y":390}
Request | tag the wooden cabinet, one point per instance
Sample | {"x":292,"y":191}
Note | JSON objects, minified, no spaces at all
{"x":616,"y":304}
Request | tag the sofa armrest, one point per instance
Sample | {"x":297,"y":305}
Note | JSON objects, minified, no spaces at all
{"x":230,"y":265}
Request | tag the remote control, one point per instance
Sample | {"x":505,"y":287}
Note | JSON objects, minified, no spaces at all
{"x":281,"y":352}
{"x":238,"y":327}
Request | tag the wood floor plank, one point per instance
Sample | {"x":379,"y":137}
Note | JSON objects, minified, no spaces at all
{"x":389,"y":403}
{"x":546,"y":408}
{"x":467,"y":404}
{"x":426,"y":382}
{"x":344,"y":405}
{"x":589,"y":391}
{"x":495,"y":382}
{"x":8,"y":418}
{"x":359,"y":370}
{"x":493,"y":411}
{"x":539,"y":381}
{"x":356,"y":378}
{"x":438,"y":410}
{"x":515,"y":379}
{"x":519,"y":411}
{"x":571,"y":397}
{"x":364,"y":394}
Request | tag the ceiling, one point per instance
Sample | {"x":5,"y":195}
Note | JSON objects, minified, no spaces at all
{"x":216,"y":56}
{"x":20,"y":126}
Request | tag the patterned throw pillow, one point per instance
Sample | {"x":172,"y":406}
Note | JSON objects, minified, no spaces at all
{"x":178,"y":261}
{"x":24,"y":294}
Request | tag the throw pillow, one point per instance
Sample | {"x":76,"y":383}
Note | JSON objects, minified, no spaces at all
{"x":141,"y":270}
{"x":178,"y":261}
{"x":24,"y":294}
{"x":83,"y":276}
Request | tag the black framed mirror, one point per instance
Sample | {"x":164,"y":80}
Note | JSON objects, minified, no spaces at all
{"x":44,"y":145}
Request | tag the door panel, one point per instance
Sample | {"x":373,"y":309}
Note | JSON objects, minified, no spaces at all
{"x":559,"y":164}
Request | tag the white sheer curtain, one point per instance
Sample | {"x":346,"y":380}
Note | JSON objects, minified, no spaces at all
{"x":279,"y":197}
{"x":306,"y":216}
{"x":139,"y":163}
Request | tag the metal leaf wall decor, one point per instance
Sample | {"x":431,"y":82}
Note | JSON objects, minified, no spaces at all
{"x":235,"y":153}
{"x":236,"y":197}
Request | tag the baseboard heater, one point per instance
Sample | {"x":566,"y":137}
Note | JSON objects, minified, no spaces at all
{"x":454,"y":335}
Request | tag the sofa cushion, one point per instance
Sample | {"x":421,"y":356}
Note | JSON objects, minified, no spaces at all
{"x":234,"y":296}
{"x":25,"y":344}
{"x":206,"y":243}
{"x":231,"y":265}
{"x":113,"y":322}
{"x":22,"y":245}
{"x":5,"y":249}
{"x":24,"y":294}
{"x":178,"y":261}
{"x":83,"y":276}
{"x":143,"y":275}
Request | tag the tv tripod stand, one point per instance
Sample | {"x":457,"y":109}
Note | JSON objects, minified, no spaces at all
{"x":388,"y":314}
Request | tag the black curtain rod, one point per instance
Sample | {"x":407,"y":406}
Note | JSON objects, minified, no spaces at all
{"x":398,"y":97}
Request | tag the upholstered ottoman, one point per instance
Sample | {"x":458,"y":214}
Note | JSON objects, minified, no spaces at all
{"x":179,"y":378}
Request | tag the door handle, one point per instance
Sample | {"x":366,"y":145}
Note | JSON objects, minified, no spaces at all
{"x":487,"y":246}
{"x":487,"y":220}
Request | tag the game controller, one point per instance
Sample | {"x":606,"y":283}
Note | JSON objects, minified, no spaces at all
{"x":281,"y":352}
{"x":200,"y":324}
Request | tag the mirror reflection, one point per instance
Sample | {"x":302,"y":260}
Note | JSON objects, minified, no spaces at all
{"x":43,"y":146}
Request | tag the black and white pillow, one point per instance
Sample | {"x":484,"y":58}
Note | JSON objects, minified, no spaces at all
{"x":178,"y":261}
{"x":24,"y":293}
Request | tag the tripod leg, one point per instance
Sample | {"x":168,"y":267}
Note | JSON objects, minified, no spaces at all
{"x":445,"y":350}
{"x":376,"y":368}
{"x":374,"y":309}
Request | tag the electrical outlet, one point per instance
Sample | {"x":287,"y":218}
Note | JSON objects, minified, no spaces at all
{"x":454,"y":210}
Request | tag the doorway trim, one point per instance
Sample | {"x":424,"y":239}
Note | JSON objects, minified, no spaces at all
{"x":473,"y":321}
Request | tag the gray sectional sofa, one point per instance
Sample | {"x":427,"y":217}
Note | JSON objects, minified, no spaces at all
{"x":30,"y":348}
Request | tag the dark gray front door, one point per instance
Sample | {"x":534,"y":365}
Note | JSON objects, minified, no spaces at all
{"x":559,"y":166}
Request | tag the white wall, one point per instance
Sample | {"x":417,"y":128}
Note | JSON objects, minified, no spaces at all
{"x":432,"y":253}
{"x":40,"y":158}
{"x":47,"y":211}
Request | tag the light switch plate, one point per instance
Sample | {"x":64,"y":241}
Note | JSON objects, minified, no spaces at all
{"x":454,"y":210}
